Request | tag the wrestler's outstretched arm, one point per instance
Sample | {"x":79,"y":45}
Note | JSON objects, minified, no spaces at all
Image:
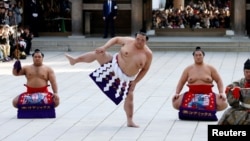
{"x":113,"y":41}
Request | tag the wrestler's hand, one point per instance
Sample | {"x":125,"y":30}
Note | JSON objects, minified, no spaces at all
{"x":17,"y":66}
{"x":100,"y":50}
{"x":55,"y":95}
{"x":176,"y":96}
{"x":222,"y":96}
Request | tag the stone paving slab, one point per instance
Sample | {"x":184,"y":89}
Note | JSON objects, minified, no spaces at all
{"x":85,"y":114}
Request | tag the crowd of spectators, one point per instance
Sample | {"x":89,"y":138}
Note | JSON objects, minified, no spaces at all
{"x":15,"y":39}
{"x":39,"y":15}
{"x":200,"y":14}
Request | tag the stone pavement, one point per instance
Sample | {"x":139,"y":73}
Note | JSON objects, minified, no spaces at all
{"x":85,"y":114}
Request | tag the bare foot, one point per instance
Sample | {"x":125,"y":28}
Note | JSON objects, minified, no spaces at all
{"x":132,"y":124}
{"x":71,"y":59}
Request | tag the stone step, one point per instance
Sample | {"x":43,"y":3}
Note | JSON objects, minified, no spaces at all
{"x":82,"y":43}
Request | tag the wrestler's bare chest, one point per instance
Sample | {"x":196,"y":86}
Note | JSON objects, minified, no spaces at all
{"x":37,"y":73}
{"x":131,"y":61}
{"x":199,"y":76}
{"x":133,"y":56}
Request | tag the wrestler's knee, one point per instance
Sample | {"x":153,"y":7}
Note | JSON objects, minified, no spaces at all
{"x":103,"y":58}
{"x":15,"y":101}
{"x":130,"y":96}
{"x":176,"y":105}
{"x":56,"y":104}
{"x":221,"y":105}
{"x":176,"y":102}
{"x":56,"y":101}
{"x":100,"y":55}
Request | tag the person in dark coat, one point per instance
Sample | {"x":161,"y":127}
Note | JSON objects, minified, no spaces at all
{"x":34,"y":16}
{"x":109,"y":16}
{"x":27,"y":36}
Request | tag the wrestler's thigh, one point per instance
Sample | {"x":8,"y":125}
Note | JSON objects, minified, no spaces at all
{"x":103,"y":58}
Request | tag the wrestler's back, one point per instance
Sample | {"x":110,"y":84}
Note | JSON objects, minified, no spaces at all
{"x":131,"y":60}
{"x":199,"y":75}
{"x":36,"y":76}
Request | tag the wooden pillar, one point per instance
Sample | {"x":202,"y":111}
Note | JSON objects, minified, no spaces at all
{"x":136,"y":15}
{"x":76,"y":17}
{"x":239,"y":17}
{"x":147,"y":16}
